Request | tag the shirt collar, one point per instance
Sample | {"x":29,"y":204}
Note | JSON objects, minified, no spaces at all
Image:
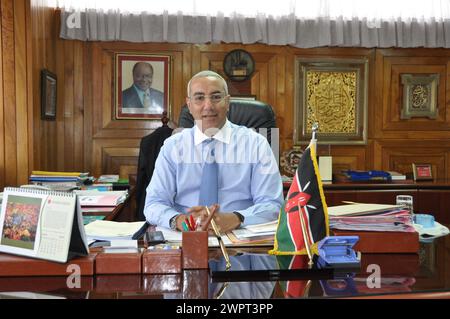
{"x":139,"y":91}
{"x":223,"y":135}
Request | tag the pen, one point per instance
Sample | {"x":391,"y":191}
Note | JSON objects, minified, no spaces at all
{"x":210,"y":216}
{"x":185,"y":227}
{"x":188,"y":224}
{"x":219,"y":239}
{"x":197,"y":223}
{"x":191,"y":222}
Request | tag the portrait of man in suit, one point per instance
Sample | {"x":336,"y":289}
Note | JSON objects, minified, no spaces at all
{"x":141,"y":94}
{"x":142,"y":90}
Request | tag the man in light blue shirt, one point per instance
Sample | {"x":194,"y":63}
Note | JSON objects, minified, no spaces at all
{"x":249,"y":183}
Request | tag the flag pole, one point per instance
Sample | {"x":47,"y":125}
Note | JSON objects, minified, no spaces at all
{"x":313,"y":143}
{"x":305,"y":237}
{"x":315,"y":128}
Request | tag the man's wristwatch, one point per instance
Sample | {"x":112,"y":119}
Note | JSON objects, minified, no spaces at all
{"x":240,"y":216}
{"x":173,"y":222}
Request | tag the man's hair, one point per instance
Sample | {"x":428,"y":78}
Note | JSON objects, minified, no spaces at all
{"x":205,"y":74}
{"x":143,"y":63}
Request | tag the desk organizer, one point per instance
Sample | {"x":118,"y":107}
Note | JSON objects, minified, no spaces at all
{"x":11,"y":265}
{"x":383,"y":242}
{"x":195,"y":249}
{"x":122,"y":263}
{"x":161,"y":261}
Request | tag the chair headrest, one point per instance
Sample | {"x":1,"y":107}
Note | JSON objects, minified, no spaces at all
{"x":252,"y":114}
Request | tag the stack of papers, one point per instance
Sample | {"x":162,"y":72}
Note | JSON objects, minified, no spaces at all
{"x":396,"y":221}
{"x":109,"y":230}
{"x":97,"y":198}
{"x":370,"y":217}
{"x":254,"y":234}
{"x":251,"y":238}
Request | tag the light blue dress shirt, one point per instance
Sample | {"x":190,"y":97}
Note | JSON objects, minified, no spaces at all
{"x":249,"y":179}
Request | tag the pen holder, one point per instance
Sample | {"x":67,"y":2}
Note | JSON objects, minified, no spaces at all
{"x":195,"y":249}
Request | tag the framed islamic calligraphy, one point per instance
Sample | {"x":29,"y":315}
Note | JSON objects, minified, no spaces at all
{"x":419,"y":95}
{"x":333,"y":93}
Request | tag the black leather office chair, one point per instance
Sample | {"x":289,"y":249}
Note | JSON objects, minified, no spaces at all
{"x":252,"y":114}
{"x":148,"y":152}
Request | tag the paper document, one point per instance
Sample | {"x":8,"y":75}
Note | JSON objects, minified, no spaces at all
{"x":360,"y":209}
{"x":263,"y":228}
{"x":109,"y":230}
{"x":175,"y":237}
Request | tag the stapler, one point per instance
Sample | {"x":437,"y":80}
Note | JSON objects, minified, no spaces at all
{"x":337,"y":252}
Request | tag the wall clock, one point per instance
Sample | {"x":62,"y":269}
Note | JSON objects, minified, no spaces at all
{"x":238,"y":65}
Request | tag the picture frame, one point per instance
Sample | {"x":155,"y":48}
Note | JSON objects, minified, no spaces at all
{"x":419,"y":95}
{"x":48,"y":95}
{"x":142,"y":83}
{"x":332,"y":92}
{"x":422,"y":172}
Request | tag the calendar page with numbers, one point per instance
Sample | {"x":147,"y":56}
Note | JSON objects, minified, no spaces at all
{"x":41,"y":224}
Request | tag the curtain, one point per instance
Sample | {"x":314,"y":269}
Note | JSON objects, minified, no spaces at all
{"x":298,"y":23}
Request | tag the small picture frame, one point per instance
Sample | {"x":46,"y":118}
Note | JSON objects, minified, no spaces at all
{"x":48,"y":95}
{"x":422,"y":172}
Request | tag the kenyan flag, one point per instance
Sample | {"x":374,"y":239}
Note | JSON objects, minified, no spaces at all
{"x":305,"y":197}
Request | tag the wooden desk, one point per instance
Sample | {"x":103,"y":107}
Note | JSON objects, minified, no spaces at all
{"x":402,"y":275}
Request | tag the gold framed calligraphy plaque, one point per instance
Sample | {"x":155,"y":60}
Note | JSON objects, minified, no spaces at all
{"x":419,"y":95}
{"x":333,"y":93}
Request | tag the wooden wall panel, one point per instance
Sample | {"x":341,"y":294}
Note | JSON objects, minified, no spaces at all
{"x":15,"y":123}
{"x":2,"y":117}
{"x":389,"y":66}
{"x":9,"y":99}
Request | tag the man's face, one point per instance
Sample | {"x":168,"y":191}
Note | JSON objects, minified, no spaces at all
{"x":208,"y":114}
{"x":143,"y":76}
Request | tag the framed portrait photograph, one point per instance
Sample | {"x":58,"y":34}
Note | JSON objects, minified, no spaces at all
{"x":141,"y":85}
{"x":48,"y":95}
{"x":422,"y":172}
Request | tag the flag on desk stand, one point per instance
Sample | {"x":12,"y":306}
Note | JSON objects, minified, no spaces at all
{"x":305,"y":204}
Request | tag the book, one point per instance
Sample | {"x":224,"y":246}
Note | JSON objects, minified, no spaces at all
{"x":41,"y":224}
{"x":396,"y":176}
{"x":48,"y":173}
{"x":108,"y":179}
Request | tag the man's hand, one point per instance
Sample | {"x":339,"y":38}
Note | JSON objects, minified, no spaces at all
{"x":198,"y":212}
{"x":226,"y":222}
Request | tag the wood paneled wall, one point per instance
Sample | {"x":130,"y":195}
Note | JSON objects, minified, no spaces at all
{"x":16,"y":125}
{"x":87,"y":137}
